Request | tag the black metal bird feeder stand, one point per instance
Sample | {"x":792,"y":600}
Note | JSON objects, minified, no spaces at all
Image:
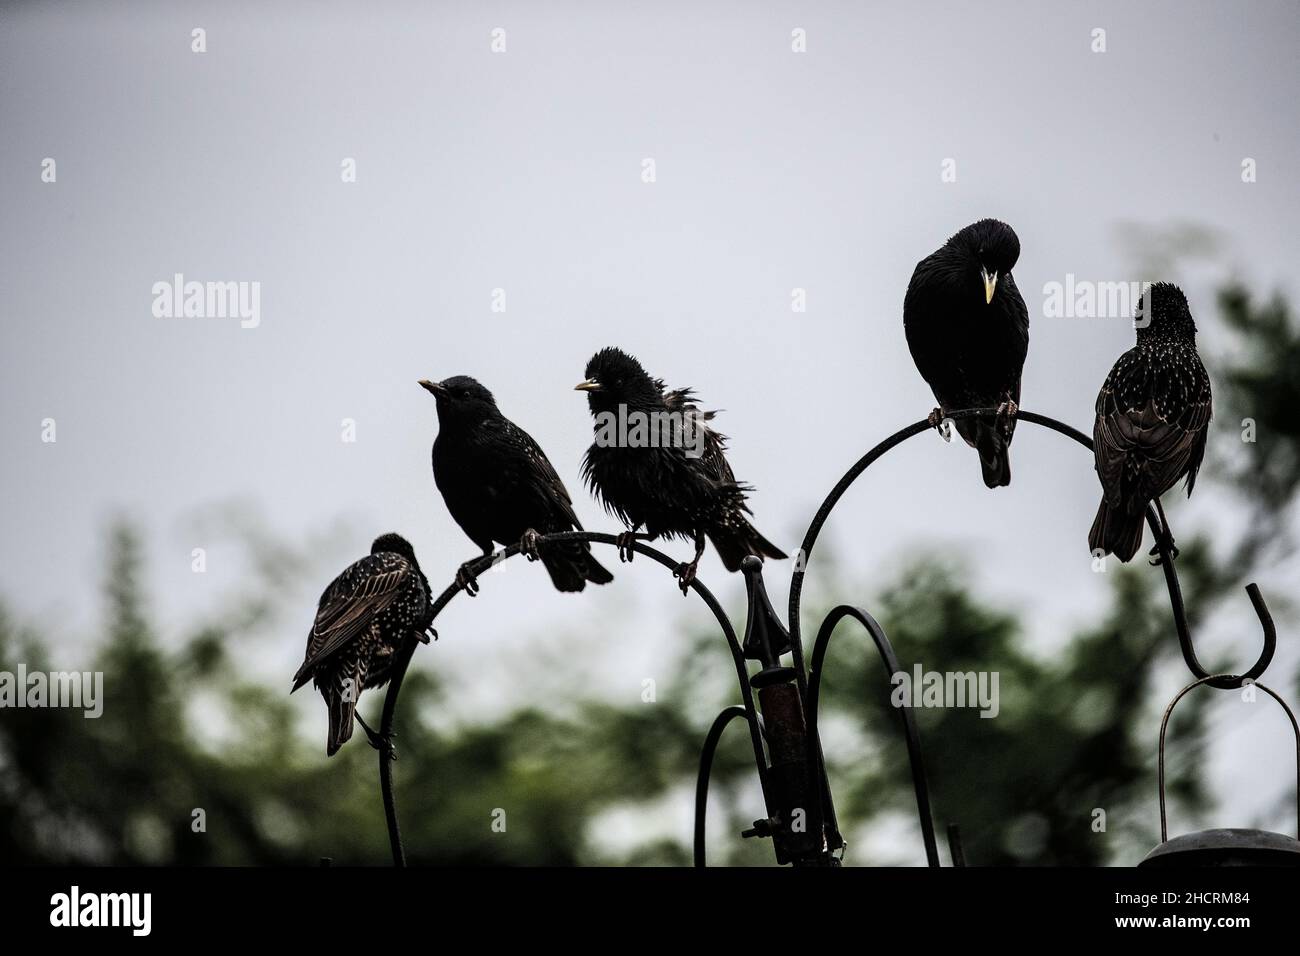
{"x":782,"y":723}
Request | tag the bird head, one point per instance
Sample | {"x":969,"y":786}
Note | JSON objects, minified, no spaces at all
{"x":1162,"y":311}
{"x":392,"y":543}
{"x":615,"y":378}
{"x":992,"y":249}
{"x":461,"y":398}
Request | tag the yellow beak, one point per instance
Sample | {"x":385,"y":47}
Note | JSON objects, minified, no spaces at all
{"x":590,"y":385}
{"x":990,"y":283}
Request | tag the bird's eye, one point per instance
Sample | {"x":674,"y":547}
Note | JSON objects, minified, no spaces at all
{"x":464,"y":394}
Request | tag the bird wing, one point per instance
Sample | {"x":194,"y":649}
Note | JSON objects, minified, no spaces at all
{"x":533,"y":473}
{"x":1015,"y":339}
{"x":350,"y":603}
{"x":713,"y":459}
{"x":1017,"y":332}
{"x":920,"y":305}
{"x":1151,"y":427}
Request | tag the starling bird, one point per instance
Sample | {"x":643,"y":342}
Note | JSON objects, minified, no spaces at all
{"x":499,"y":486}
{"x":1152,"y":416}
{"x":675,"y":479}
{"x":361,"y":621}
{"x":968,"y":330}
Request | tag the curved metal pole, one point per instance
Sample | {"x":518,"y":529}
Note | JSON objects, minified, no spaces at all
{"x":1164,"y":724}
{"x":386,"y":755}
{"x":478,"y":567}
{"x":910,"y":732}
{"x":706,"y":768}
{"x":1222,"y":681}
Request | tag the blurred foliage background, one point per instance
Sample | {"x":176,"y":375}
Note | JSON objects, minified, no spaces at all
{"x":1075,"y":732}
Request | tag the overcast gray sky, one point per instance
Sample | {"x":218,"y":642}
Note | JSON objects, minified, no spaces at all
{"x":522,"y":171}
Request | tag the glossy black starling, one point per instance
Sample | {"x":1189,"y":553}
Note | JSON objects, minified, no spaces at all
{"x":968,"y":330}
{"x":361,"y":621}
{"x":1152,"y":418}
{"x":499,"y":486}
{"x":674,"y":478}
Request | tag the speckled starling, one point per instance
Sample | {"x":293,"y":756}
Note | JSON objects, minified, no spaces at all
{"x":968,"y":330}
{"x":362,"y":619}
{"x":500,"y":487}
{"x":1152,"y":418}
{"x":674,"y":479}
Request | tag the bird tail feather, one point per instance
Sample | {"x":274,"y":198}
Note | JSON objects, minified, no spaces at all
{"x":734,"y":544}
{"x":992,"y":443}
{"x":571,"y":566}
{"x":1115,"y":531}
{"x":340,"y":732}
{"x":597,"y":573}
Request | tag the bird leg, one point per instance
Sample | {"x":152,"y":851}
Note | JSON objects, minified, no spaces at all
{"x":424,"y":636}
{"x":466,"y":579}
{"x":381,"y":742}
{"x":1007,"y":412}
{"x":528,"y":545}
{"x":1164,"y":540}
{"x":685,"y":573}
{"x":625,"y":541}
{"x":936,"y":421}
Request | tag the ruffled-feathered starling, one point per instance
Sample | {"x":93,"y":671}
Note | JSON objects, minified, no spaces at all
{"x":1152,"y":418}
{"x":499,"y":486}
{"x":968,"y":330}
{"x":674,"y":478}
{"x":361,"y":621}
